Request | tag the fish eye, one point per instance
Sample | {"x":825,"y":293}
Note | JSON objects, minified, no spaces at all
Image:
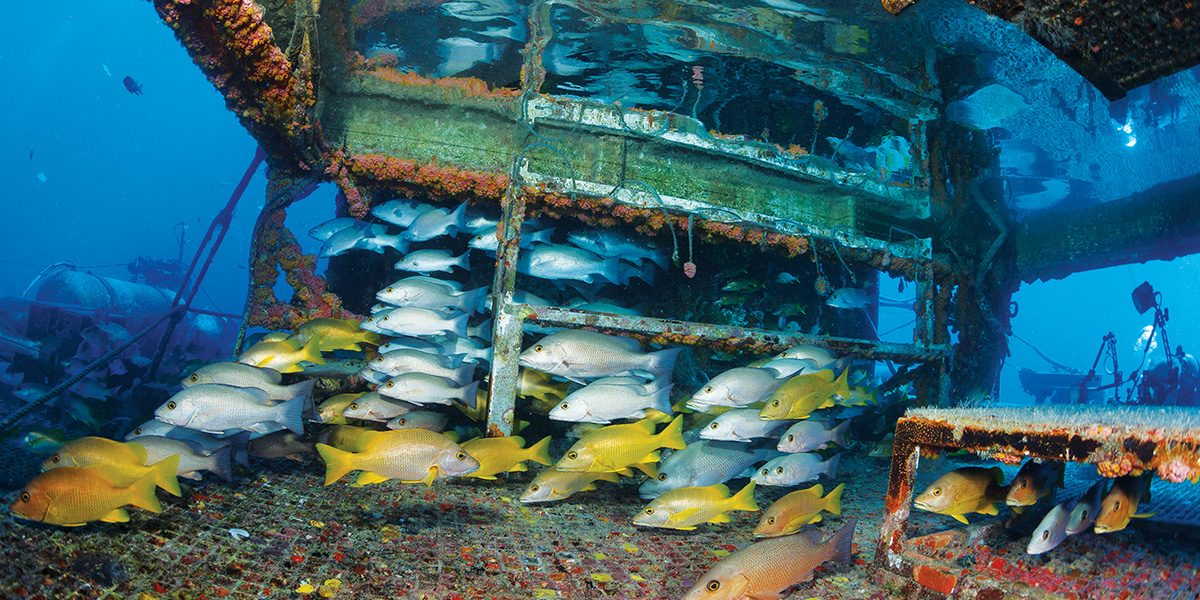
{"x":564,"y":406}
{"x":537,"y":348}
{"x":390,"y":384}
{"x":766,"y":471}
{"x":770,"y":520}
{"x":137,"y":431}
{"x":649,"y":511}
{"x":791,"y":438}
{"x":194,"y":378}
{"x":390,"y":290}
{"x":461,"y":456}
{"x":779,"y":470}
{"x":775,"y":403}
{"x":405,"y":422}
{"x":1046,"y":534}
{"x":708,"y":389}
{"x":1022,"y":483}
{"x":353,"y":406}
{"x":572,"y":455}
{"x":936,"y":491}
{"x":25,"y":497}
{"x":1116,"y":505}
{"x":171,"y":406}
{"x":714,"y":426}
{"x":1085,"y":513}
{"x":713,"y":585}
{"x":662,"y":476}
{"x":56,"y":458}
{"x":534,"y":488}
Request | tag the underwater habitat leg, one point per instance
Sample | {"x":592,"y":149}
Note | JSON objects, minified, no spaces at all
{"x":905,"y":454}
{"x":507,"y":323}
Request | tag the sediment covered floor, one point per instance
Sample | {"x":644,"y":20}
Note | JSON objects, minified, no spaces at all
{"x":472,"y":539}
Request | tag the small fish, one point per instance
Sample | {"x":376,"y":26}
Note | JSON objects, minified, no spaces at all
{"x":370,"y":236}
{"x":743,"y":286}
{"x":1084,"y":513}
{"x":821,"y":358}
{"x":243,"y":375}
{"x":401,"y":361}
{"x":704,"y":462}
{"x":607,"y":242}
{"x":207,"y":443}
{"x":43,"y":441}
{"x":802,"y":394}
{"x":963,"y":491}
{"x":797,"y":509}
{"x":420,"y":292}
{"x":30,"y":391}
{"x":132,"y":86}
{"x":741,"y":425}
{"x":1033,"y":482}
{"x":412,"y":321}
{"x":330,"y":411}
{"x":1121,"y":503}
{"x":410,"y":343}
{"x":400,"y":213}
{"x":283,"y":356}
{"x":226,"y":410}
{"x":74,"y":496}
{"x":552,"y":485}
{"x":559,"y":262}
{"x":610,"y":398}
{"x":190,"y":459}
{"x":91,"y":389}
{"x":578,"y":354}
{"x":767,"y":568}
{"x":336,"y":334}
{"x":685,"y":508}
{"x":282,"y":444}
{"x":480,"y":222}
{"x":737,"y":387}
{"x":410,"y":455}
{"x":372,"y":406}
{"x":849,"y":298}
{"x":616,"y":447}
{"x":489,"y":241}
{"x":505,"y":454}
{"x":419,"y":388}
{"x":807,"y":436}
{"x":433,"y":261}
{"x":1050,"y":532}
{"x":794,"y":469}
{"x":785,"y":278}
{"x":541,"y":387}
{"x":436,"y":223}
{"x":420,"y":419}
{"x":122,"y":462}
{"x":325,"y":230}
{"x":606,"y":307}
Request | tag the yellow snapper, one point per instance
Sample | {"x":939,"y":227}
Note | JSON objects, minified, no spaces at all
{"x":410,"y":455}
{"x":1033,"y":482}
{"x":964,"y":490}
{"x":1121,"y":503}
{"x":123,"y":462}
{"x":336,"y":334}
{"x":685,"y":508}
{"x":797,"y":509}
{"x":799,"y":396}
{"x":283,"y":356}
{"x":505,"y":454}
{"x":616,"y":447}
{"x":74,"y":496}
{"x":330,"y":411}
{"x":542,"y":388}
{"x":552,"y":485}
{"x":765,"y":569}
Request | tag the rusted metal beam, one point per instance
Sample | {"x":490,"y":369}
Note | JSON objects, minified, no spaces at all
{"x":725,"y":337}
{"x":905,"y":457}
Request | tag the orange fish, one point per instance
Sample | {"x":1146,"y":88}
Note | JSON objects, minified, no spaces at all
{"x":74,"y":496}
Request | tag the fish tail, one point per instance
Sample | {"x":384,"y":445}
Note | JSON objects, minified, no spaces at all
{"x":839,"y":433}
{"x":141,"y":492}
{"x":291,"y":413}
{"x":311,"y":352}
{"x":337,"y":462}
{"x":540,"y":452}
{"x":464,"y":372}
{"x":831,"y":466}
{"x":455,"y":361}
{"x":239,"y":445}
{"x":164,"y":475}
{"x":543,"y":236}
{"x":221,"y":463}
{"x":841,"y":542}
{"x":476,"y":299}
{"x":833,"y":501}
{"x":459,"y":324}
{"x":468,"y":397}
{"x":672,"y":436}
{"x":662,"y":363}
{"x":304,"y":389}
{"x":661,"y":399}
{"x":842,"y":384}
{"x":464,"y":260}
{"x":744,"y":499}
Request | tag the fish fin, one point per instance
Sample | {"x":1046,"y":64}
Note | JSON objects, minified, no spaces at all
{"x":291,"y":414}
{"x":686,"y":513}
{"x":141,"y":492}
{"x":193,"y":475}
{"x":833,"y":502}
{"x":616,"y":475}
{"x":744,"y":499}
{"x":452,"y":436}
{"x":587,"y":488}
{"x":459,"y":324}
{"x":240,"y":444}
{"x":463,"y":372}
{"x":961,"y":519}
{"x":139,"y":451}
{"x":368,"y":478}
{"x":540,"y":452}
{"x":517,"y":468}
{"x":221,"y":463}
{"x":831,"y":466}
{"x":337,"y":462}
{"x":992,"y":509}
{"x":430,"y":476}
{"x":464,"y":260}
{"x":653,"y":457}
{"x":1016,"y":509}
{"x":165,"y":475}
{"x":997,"y":475}
{"x":672,"y":436}
{"x":842,"y":384}
{"x":311,"y":352}
{"x":468,"y":396}
{"x":1142,"y":515}
{"x":304,"y":389}
{"x":795,"y":524}
{"x":272,"y":375}
{"x":662,"y":363}
{"x":721,"y":518}
{"x":648,"y":468}
{"x":842,"y":542}
{"x":838,"y":434}
{"x":118,"y":515}
{"x":487,"y":477}
{"x":660,"y":399}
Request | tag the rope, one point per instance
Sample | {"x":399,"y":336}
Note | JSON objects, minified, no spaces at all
{"x":50,"y":394}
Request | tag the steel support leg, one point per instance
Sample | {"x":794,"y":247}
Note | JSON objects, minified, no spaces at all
{"x":507,"y":323}
{"x":905,"y":455}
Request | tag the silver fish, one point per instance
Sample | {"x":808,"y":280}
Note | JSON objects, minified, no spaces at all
{"x":421,"y":293}
{"x":400,"y":213}
{"x":420,"y":388}
{"x":373,"y":237}
{"x":704,"y":462}
{"x":474,"y":350}
{"x":786,"y":367}
{"x":740,"y":386}
{"x":562,"y":262}
{"x":578,"y":355}
{"x":420,"y":419}
{"x":413,"y":321}
{"x":606,"y":242}
{"x":610,"y":398}
{"x":606,"y":307}
{"x":479,"y":223}
{"x":325,"y":230}
{"x":222,"y":409}
{"x":373,"y":376}
{"x":241,"y":375}
{"x":372,"y":406}
{"x":433,"y":261}
{"x":487,"y":240}
{"x":849,"y":298}
{"x":794,"y":469}
{"x":741,"y":425}
{"x":205,"y":442}
{"x":1050,"y":532}
{"x":405,"y":360}
{"x":809,"y":435}
{"x":410,"y":343}
{"x":820,"y":357}
{"x":437,"y":223}
{"x":1086,"y":508}
{"x":192,"y":459}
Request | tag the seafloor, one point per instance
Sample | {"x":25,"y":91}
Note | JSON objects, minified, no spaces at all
{"x":472,"y":539}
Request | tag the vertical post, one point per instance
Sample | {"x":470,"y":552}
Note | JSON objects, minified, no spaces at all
{"x":905,"y":455}
{"x":507,"y":324}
